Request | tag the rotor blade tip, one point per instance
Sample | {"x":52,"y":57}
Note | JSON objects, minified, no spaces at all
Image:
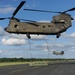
{"x":24,"y":1}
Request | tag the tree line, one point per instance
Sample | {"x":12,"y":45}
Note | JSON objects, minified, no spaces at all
{"x":29,"y":59}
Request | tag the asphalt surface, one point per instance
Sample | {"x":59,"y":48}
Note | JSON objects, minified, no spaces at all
{"x":51,"y":69}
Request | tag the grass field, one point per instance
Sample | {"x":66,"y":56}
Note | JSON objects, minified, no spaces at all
{"x":32,"y":63}
{"x":12,"y":63}
{"x":17,"y":63}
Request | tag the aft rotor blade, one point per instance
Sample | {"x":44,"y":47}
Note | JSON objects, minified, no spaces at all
{"x":18,"y":8}
{"x":41,"y":11}
{"x":26,"y":20}
{"x":72,"y":9}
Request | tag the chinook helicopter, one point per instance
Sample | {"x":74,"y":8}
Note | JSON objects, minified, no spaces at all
{"x":58,"y":53}
{"x":59,"y":24}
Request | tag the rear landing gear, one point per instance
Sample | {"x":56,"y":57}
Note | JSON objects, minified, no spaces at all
{"x":58,"y":35}
{"x":28,"y":35}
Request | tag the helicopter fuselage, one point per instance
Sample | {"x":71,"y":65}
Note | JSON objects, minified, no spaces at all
{"x":59,"y":24}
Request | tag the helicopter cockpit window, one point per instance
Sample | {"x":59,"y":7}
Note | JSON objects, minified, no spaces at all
{"x":43,"y":26}
{"x":16,"y":26}
{"x":61,"y":20}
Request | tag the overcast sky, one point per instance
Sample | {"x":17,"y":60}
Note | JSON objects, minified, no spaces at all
{"x":13,"y":45}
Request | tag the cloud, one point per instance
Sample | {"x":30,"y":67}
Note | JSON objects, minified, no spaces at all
{"x":33,"y":37}
{"x":72,"y":35}
{"x":51,"y":45}
{"x":45,"y":21}
{"x":2,"y":32}
{"x":32,"y":5}
{"x":13,"y":41}
{"x":70,"y":38}
{"x":1,"y":51}
{"x":57,"y":46}
{"x":36,"y":37}
{"x":18,"y":36}
{"x":5,"y":9}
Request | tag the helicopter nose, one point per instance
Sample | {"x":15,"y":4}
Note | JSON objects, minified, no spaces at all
{"x":5,"y":29}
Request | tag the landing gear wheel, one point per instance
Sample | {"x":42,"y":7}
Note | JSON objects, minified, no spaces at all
{"x":28,"y":35}
{"x":58,"y":35}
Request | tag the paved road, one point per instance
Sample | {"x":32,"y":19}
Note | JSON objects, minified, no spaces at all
{"x":51,"y":69}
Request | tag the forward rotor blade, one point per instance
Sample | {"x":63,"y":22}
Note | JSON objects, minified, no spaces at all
{"x":72,"y":9}
{"x":18,"y":8}
{"x":5,"y":18}
{"x":41,"y":11}
{"x":18,"y":19}
{"x":2,"y":18}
